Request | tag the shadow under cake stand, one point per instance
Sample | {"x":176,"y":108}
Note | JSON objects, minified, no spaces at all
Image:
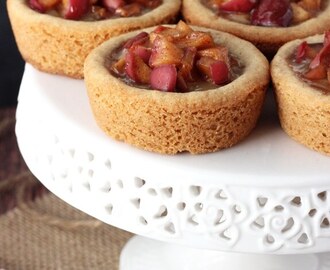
{"x":234,"y":209}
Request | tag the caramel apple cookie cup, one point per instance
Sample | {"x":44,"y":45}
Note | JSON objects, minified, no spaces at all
{"x":163,"y":122}
{"x":60,"y":46}
{"x":267,"y":39}
{"x":304,"y":110}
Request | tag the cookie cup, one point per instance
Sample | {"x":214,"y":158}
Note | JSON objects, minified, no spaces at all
{"x":59,"y":46}
{"x":304,"y":111}
{"x":197,"y":122}
{"x":267,"y":39}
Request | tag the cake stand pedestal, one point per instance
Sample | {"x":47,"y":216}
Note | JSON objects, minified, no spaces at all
{"x":262,"y":204}
{"x":147,"y":254}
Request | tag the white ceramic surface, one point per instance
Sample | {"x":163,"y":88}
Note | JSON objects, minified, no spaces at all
{"x":268,"y":194}
{"x":146,"y":254}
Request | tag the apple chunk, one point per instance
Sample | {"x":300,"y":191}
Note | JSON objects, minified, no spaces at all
{"x":323,"y":53}
{"x":136,"y":40}
{"x":301,"y":51}
{"x":74,"y":9}
{"x":187,"y":64}
{"x":113,"y":4}
{"x":165,"y":52}
{"x":197,"y":39}
{"x":219,"y":72}
{"x":143,"y":52}
{"x":216,"y":70}
{"x":238,"y":5}
{"x":136,"y":69}
{"x":35,"y":5}
{"x":272,"y":13}
{"x":317,"y":73}
{"x":164,"y":78}
{"x":43,"y":5}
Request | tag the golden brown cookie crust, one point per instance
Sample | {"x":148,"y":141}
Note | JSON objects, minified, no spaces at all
{"x":60,"y":46}
{"x":304,"y":112}
{"x":197,"y":122}
{"x":267,"y":39}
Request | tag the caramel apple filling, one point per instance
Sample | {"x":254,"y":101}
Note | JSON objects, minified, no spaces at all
{"x":90,"y":10}
{"x":174,"y":60}
{"x":312,"y":63}
{"x":269,"y":13}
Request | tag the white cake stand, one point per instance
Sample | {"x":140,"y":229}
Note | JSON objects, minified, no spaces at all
{"x":264,"y":204}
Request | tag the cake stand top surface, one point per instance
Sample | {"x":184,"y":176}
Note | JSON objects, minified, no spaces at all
{"x":267,"y":157}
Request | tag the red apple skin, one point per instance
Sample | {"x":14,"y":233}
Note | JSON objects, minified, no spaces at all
{"x":35,"y":5}
{"x":324,"y":52}
{"x":164,"y":78}
{"x":142,"y":52}
{"x":131,"y":66}
{"x":139,"y":39}
{"x":301,"y":51}
{"x":219,"y":72}
{"x":272,"y":13}
{"x":112,"y":4}
{"x":136,"y":69}
{"x":74,"y":9}
{"x":238,"y":5}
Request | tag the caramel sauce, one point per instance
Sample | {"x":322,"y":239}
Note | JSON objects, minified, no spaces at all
{"x":301,"y":68}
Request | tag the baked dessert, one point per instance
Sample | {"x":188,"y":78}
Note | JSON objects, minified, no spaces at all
{"x":301,"y":75}
{"x":183,"y":95}
{"x":267,"y":23}
{"x":55,"y":36}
